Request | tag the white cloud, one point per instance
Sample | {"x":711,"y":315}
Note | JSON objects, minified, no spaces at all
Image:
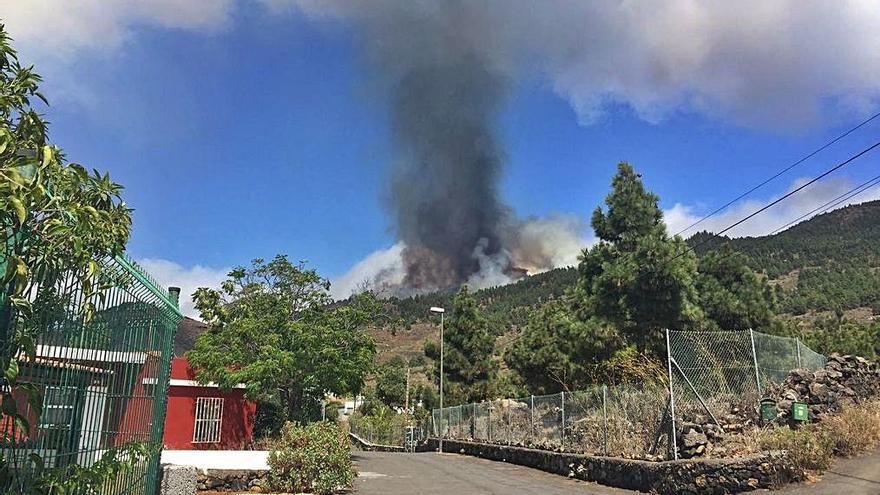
{"x":780,"y":64}
{"x":681,"y":216}
{"x":171,"y":274}
{"x":59,"y":29}
{"x":55,"y":35}
{"x":378,"y":271}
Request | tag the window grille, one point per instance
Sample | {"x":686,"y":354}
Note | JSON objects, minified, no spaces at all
{"x":58,"y":407}
{"x":209,"y":416}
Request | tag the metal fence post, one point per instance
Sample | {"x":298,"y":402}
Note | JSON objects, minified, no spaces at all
{"x":533,"y":429}
{"x":508,"y":422}
{"x":797,"y":342}
{"x":755,"y":359}
{"x":489,"y":422}
{"x":605,"y":418}
{"x":672,"y":433}
{"x":562,"y":430}
{"x":474,"y":421}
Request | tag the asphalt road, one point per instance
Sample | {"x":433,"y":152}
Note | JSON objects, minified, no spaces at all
{"x":856,"y":476}
{"x":453,"y":474}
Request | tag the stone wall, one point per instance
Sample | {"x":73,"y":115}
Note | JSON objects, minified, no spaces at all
{"x":844,"y":379}
{"x":687,"y":477}
{"x":232,"y":480}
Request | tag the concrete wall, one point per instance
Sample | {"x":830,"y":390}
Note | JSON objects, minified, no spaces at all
{"x":236,"y":427}
{"x":708,"y":476}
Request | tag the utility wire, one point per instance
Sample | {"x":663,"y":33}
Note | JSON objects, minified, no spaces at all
{"x":864,"y":186}
{"x":827,"y":207}
{"x":781,"y":172}
{"x":782,"y":198}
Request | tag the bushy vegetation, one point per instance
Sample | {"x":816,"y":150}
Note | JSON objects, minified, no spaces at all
{"x":469,"y":366}
{"x":855,"y":430}
{"x":836,"y":257}
{"x":630,"y":286}
{"x":270,"y":328}
{"x":808,"y":448}
{"x":311,"y":458}
{"x":852,"y":431}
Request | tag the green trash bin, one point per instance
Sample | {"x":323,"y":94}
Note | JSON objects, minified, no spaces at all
{"x":799,"y":411}
{"x":768,"y":409}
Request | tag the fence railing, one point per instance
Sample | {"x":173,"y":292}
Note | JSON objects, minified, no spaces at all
{"x":103,"y":381}
{"x":707,"y":372}
{"x":399,"y":430}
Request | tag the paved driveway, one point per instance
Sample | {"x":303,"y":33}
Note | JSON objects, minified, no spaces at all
{"x":856,"y":476}
{"x":453,"y":474}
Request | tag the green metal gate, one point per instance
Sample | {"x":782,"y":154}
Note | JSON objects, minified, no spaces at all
{"x":104,"y":381}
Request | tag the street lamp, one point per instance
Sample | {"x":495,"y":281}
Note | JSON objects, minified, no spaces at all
{"x":435,"y":309}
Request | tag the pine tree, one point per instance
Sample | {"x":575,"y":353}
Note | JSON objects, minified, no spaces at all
{"x":636,"y":278}
{"x":469,"y":344}
{"x":731,"y":295}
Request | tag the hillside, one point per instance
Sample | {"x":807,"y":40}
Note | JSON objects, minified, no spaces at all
{"x":827,"y":263}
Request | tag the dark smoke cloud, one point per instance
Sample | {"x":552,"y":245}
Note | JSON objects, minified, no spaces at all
{"x":446,"y":65}
{"x":446,"y":88}
{"x":447,"y":167}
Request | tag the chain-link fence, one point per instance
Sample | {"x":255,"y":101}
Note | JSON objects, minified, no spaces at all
{"x":395,"y":430}
{"x":711,"y":373}
{"x":103,"y":380}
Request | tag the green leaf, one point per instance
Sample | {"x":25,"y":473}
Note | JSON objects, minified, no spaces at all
{"x":48,"y":155}
{"x":20,"y":211}
{"x":12,"y":371}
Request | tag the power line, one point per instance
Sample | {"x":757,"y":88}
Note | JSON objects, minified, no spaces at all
{"x":782,"y":198}
{"x":834,"y":202}
{"x":829,"y":205}
{"x":781,"y":172}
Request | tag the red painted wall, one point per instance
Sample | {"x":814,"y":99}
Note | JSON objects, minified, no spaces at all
{"x":236,"y":428}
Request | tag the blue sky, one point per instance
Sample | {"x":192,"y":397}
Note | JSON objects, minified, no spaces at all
{"x":262,"y":132}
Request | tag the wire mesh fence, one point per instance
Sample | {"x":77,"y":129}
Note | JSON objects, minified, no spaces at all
{"x":397,"y":430}
{"x":709,"y":374}
{"x":103,"y":380}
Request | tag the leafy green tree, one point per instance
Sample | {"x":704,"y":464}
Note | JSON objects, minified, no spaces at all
{"x":830,"y":334}
{"x":270,"y":328}
{"x":56,"y":220}
{"x":391,"y":382}
{"x":558,"y":351}
{"x":636,"y":277}
{"x":469,"y":346}
{"x":731,"y":295}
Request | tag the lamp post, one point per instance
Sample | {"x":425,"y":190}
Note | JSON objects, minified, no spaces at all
{"x":435,"y":309}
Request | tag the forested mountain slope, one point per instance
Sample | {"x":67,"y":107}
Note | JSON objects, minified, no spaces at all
{"x":829,"y":262}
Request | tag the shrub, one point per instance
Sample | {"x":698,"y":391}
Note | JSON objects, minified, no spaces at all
{"x":808,"y":448}
{"x":855,"y":429}
{"x":314,"y":458}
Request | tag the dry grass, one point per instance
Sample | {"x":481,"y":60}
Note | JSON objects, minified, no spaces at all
{"x":808,"y":448}
{"x":853,"y":431}
{"x":856,"y":429}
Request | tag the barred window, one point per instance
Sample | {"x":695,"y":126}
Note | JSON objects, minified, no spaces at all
{"x":58,"y":407}
{"x":209,"y":415}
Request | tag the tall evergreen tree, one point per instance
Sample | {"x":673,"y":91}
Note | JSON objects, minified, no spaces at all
{"x":469,"y":344}
{"x":731,"y":295}
{"x":558,"y":351}
{"x":636,"y":278}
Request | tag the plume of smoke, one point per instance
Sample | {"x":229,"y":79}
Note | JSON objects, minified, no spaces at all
{"x":447,"y":66}
{"x":446,"y":84}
